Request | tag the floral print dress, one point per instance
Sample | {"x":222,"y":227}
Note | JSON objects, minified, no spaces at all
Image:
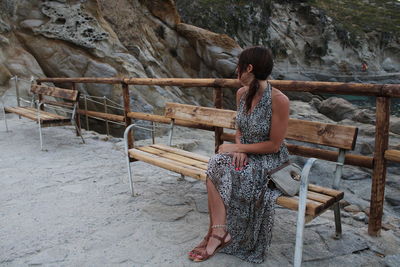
{"x":248,"y":200}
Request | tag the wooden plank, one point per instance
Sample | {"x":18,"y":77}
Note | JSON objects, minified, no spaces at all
{"x":163,"y":119}
{"x":338,"y":195}
{"x":392,"y":155}
{"x":168,"y":164}
{"x":58,"y":103}
{"x":324,"y":199}
{"x":182,"y":152}
{"x":208,"y":116}
{"x":175,"y":157}
{"x":379,"y":171}
{"x":111,"y":117}
{"x":332,"y":135}
{"x":82,"y":80}
{"x":31,"y":113}
{"x":44,"y":115}
{"x":55,"y":92}
{"x":311,"y":152}
{"x":312,"y":207}
{"x":388,"y":90}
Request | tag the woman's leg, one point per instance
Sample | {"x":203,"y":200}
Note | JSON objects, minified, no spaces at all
{"x":217,"y":217}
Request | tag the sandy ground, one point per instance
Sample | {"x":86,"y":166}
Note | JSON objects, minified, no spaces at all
{"x":70,"y":205}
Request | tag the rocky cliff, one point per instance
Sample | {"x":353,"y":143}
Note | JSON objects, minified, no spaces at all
{"x":311,"y":40}
{"x":122,"y":38}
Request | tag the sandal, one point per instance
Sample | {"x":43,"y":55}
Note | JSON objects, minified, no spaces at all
{"x":197,"y":250}
{"x":204,"y":254}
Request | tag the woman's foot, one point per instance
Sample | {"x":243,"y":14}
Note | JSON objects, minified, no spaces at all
{"x":200,"y":247}
{"x":218,"y":239}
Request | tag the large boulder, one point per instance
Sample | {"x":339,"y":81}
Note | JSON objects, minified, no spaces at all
{"x":337,"y":108}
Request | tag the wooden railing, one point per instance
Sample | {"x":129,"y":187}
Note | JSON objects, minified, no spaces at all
{"x":382,"y":92}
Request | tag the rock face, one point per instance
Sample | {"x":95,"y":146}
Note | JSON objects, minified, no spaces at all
{"x":119,"y":38}
{"x":306,"y":41}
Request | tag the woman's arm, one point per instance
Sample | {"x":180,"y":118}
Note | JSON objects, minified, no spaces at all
{"x":279,"y":122}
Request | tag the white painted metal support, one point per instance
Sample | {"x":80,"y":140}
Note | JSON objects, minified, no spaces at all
{"x":301,"y":212}
{"x":40,"y":125}
{"x":4,"y":112}
{"x":339,"y":169}
{"x":336,"y":182}
{"x":126,"y":133}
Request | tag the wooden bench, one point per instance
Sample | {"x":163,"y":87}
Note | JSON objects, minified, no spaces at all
{"x":312,"y":200}
{"x":41,"y":98}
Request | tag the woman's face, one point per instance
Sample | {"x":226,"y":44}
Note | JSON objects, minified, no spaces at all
{"x":245,"y":77}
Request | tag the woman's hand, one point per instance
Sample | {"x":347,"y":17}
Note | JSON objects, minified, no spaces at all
{"x":227,"y":148}
{"x":239,"y":160}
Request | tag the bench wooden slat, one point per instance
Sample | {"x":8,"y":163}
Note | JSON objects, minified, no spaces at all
{"x":339,"y":136}
{"x":182,"y":152}
{"x":44,"y":116}
{"x":168,"y":164}
{"x":324,"y":199}
{"x":175,"y":157}
{"x":338,"y":195}
{"x":318,"y":198}
{"x":55,"y":92}
{"x":333,"y":135}
{"x":393,"y":155}
{"x":57,"y":103}
{"x":31,"y":113}
{"x":223,"y":118}
{"x":312,"y":207}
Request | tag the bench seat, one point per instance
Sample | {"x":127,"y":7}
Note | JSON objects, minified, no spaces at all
{"x":319,"y":199}
{"x":32,"y":113}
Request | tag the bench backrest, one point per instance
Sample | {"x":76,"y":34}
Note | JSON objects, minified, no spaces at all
{"x":66,"y":94}
{"x":339,"y":136}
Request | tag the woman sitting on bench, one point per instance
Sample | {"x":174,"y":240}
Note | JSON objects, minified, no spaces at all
{"x":240,"y":198}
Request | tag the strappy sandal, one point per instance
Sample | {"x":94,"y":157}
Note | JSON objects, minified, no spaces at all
{"x":197,"y":250}
{"x":204,"y":254}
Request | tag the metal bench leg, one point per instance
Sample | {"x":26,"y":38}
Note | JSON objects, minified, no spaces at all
{"x":182,"y":178}
{"x":338,"y":221}
{"x":40,"y":135}
{"x":5,"y":119}
{"x":337,"y":177}
{"x":298,"y":253}
{"x":128,"y":163}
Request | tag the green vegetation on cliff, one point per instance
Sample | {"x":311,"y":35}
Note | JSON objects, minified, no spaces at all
{"x":363,"y":16}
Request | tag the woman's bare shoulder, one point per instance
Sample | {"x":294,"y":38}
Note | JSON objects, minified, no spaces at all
{"x":240,"y":92}
{"x":278,"y":97}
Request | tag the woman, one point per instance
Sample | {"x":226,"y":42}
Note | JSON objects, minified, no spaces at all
{"x":240,"y":198}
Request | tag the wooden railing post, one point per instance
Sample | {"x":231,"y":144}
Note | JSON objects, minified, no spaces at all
{"x":379,"y":172}
{"x":127,"y":109}
{"x":218,"y":96}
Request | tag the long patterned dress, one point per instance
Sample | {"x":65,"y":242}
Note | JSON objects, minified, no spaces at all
{"x":248,"y":200}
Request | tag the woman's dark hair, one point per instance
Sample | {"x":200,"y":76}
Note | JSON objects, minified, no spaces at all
{"x":261,"y":60}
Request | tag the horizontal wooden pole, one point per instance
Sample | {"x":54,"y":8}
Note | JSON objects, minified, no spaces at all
{"x":392,"y":155}
{"x":387,"y":90}
{"x":185,"y":82}
{"x":81,"y":80}
{"x":102,"y":115}
{"x":163,"y":119}
{"x":355,"y":160}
